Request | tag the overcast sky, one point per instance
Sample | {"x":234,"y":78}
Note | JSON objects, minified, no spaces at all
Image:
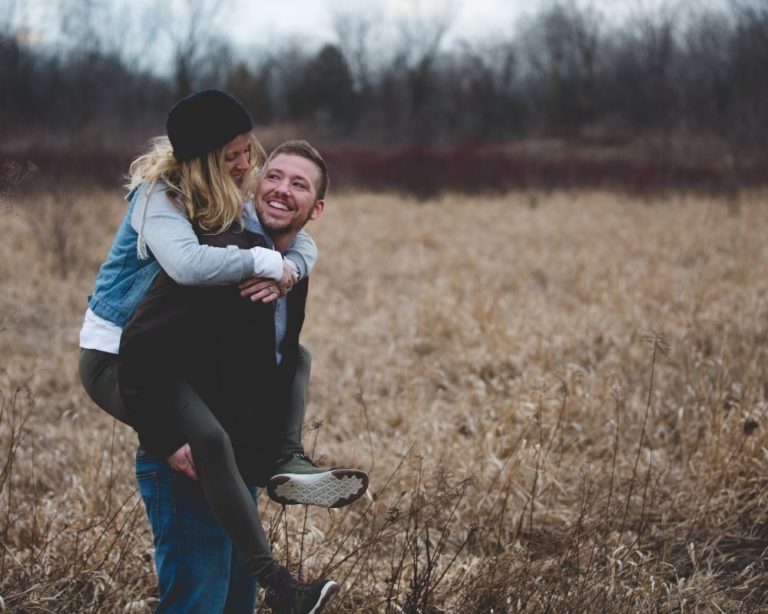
{"x":311,"y":20}
{"x":258,"y":23}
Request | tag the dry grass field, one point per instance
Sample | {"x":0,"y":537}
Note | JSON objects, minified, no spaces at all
{"x":561,"y":399}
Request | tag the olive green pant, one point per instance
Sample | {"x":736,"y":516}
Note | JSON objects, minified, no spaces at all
{"x":224,"y":488}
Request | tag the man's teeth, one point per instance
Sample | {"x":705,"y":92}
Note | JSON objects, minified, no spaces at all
{"x":277,"y":205}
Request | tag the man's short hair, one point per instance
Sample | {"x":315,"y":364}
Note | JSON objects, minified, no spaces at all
{"x":300,"y":147}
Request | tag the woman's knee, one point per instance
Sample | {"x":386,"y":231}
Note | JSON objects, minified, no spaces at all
{"x":98,"y":374}
{"x":88,"y":368}
{"x":214,"y":442}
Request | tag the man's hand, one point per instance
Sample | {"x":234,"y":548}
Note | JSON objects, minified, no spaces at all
{"x":181,"y":461}
{"x":267,"y":290}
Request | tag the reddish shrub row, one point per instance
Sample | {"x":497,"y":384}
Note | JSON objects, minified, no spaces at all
{"x":429,"y":172}
{"x":27,"y":170}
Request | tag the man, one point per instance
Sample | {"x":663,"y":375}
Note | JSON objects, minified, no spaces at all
{"x":292,"y":192}
{"x":240,"y":359}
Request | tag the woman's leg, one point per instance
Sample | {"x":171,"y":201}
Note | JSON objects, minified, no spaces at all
{"x":224,"y":488}
{"x":227,"y":494}
{"x":98,"y":373}
{"x":236,"y":510}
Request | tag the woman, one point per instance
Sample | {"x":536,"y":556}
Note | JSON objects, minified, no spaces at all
{"x":194,"y":178}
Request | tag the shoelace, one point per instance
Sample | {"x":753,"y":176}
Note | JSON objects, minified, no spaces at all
{"x":284,"y":459}
{"x":303,"y":456}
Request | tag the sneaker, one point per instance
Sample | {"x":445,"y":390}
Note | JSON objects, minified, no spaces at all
{"x":297,"y":480}
{"x":286,"y":595}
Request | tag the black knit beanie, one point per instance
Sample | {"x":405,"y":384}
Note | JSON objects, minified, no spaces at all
{"x":203,"y":122}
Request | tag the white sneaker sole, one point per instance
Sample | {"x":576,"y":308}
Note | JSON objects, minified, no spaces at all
{"x":332,"y":488}
{"x":328,"y":590}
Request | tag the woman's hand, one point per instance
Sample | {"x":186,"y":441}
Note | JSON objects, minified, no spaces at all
{"x":288,"y":279}
{"x":267,"y":290}
{"x":181,"y":461}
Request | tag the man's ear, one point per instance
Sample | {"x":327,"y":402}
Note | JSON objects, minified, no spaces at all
{"x":317,"y":209}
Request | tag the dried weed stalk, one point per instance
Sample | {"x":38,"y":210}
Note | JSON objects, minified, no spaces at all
{"x":528,"y":451}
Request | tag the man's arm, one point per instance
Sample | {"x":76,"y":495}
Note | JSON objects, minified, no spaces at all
{"x":302,"y":254}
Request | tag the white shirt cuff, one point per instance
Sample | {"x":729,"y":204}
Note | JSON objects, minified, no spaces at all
{"x":267,"y":263}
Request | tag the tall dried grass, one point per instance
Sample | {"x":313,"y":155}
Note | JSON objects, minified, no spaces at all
{"x":561,"y":401}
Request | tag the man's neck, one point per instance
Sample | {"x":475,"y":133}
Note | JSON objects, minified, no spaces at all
{"x":283,"y":241}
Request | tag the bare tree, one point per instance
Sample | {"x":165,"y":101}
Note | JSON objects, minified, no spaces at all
{"x":193,"y":33}
{"x":10,"y":17}
{"x":703,"y":72}
{"x":563,"y":48}
{"x":82,"y":24}
{"x":420,"y":36}
{"x":484,"y":77}
{"x":748,"y":68}
{"x":13,"y":61}
{"x":360,"y":40}
{"x":667,"y":74}
{"x":135,"y":34}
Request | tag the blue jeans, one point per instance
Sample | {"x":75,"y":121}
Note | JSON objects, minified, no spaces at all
{"x":198,"y":568}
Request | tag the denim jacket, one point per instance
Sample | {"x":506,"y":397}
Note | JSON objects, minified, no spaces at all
{"x":123,"y":278}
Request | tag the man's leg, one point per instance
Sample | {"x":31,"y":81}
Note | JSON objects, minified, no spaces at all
{"x":296,"y":479}
{"x":241,"y":595}
{"x":194,"y":556}
{"x":296,"y":407}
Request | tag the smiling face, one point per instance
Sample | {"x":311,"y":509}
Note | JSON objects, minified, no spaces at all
{"x":237,"y":157}
{"x":286,"y":198}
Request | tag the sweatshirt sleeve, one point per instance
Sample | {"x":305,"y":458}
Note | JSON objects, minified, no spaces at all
{"x":302,"y":254}
{"x":169,"y":235}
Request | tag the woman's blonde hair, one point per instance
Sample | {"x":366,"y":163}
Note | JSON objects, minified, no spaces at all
{"x":202,"y":188}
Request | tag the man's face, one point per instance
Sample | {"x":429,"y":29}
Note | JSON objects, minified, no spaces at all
{"x":237,"y":157}
{"x":286,"y":198}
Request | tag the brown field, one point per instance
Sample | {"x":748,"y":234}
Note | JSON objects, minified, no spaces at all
{"x":561,"y":400}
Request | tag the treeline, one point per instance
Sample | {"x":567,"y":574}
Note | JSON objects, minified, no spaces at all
{"x":685,"y":74}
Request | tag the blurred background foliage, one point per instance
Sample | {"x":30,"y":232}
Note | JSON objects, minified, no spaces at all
{"x":679,"y":84}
